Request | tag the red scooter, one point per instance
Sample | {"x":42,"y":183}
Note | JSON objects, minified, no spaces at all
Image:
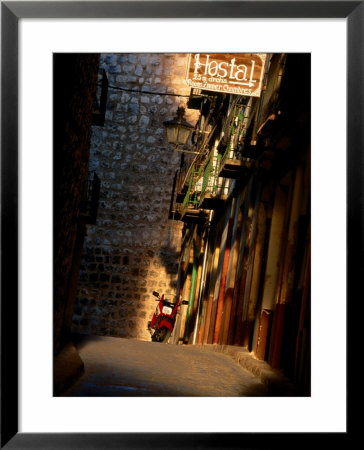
{"x":164,"y":318}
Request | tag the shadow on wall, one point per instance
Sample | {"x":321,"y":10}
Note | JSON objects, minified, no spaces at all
{"x":169,"y":258}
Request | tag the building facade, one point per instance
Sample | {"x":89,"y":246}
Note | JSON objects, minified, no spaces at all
{"x":245,"y":204}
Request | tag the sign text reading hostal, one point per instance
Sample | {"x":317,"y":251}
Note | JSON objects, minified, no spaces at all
{"x":238,"y":73}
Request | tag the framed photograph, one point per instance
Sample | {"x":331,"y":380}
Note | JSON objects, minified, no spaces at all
{"x":32,"y":415}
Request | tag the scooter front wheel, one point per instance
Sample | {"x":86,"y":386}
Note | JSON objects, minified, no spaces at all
{"x":161,"y":335}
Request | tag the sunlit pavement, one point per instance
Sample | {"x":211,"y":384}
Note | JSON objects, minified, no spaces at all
{"x":116,"y":367}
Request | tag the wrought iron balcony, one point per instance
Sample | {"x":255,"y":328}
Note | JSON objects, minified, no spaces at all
{"x":234,"y":166}
{"x":214,"y":190}
{"x":98,"y":115}
{"x":236,"y":158}
{"x":191,"y":210}
{"x":90,"y":195}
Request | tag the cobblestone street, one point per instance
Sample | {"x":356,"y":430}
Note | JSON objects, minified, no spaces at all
{"x":116,"y":367}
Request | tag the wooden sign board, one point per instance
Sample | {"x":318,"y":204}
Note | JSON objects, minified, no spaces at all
{"x":229,"y":73}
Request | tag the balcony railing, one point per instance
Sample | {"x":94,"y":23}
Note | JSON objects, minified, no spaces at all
{"x":98,"y":116}
{"x":190,"y":209}
{"x":191,"y":199}
{"x":205,"y":184}
{"x":90,"y":195}
{"x":236,"y":160}
{"x":214,"y":189}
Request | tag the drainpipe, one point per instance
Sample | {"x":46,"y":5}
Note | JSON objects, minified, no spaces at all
{"x":196,"y":252}
{"x":181,"y":280}
{"x":203,"y":278}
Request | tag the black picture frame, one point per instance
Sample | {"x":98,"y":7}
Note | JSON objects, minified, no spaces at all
{"x":11,"y":12}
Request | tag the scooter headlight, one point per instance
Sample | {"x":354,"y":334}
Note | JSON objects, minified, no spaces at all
{"x":167,"y":310}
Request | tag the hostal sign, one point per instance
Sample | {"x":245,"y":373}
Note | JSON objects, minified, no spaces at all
{"x":240,"y":73}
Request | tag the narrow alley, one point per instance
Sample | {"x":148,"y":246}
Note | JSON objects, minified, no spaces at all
{"x":117,"y":367}
{"x":192,"y":180}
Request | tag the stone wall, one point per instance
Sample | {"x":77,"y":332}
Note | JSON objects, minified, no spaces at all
{"x":133,"y":249}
